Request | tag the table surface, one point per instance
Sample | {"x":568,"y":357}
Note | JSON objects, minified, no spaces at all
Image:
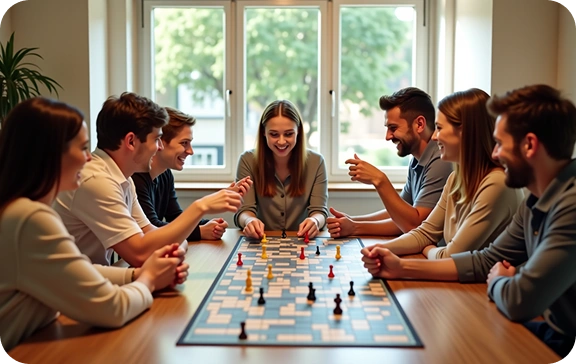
{"x":456,"y":323}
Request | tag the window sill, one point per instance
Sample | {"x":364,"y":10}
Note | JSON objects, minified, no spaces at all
{"x":332,"y":187}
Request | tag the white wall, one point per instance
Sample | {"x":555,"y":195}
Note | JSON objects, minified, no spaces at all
{"x":473,"y":45}
{"x":60,"y":29}
{"x":6,"y":27}
{"x":567,"y":54}
{"x":524,"y":44}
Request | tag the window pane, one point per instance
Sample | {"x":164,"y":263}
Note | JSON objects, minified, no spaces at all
{"x":377,"y":47}
{"x":189,"y":74}
{"x":281,"y":56}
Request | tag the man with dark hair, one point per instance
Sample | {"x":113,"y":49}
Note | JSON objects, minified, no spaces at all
{"x":410,"y":117}
{"x":103,"y":214}
{"x":155,"y":189}
{"x":535,"y":135}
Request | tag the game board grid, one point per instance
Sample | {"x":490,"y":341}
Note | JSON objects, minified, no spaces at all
{"x":371,"y":318}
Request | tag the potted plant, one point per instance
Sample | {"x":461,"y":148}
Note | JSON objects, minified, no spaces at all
{"x":17,"y":81}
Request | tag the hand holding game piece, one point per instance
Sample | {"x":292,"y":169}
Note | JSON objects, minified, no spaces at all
{"x":239,"y":262}
{"x":338,"y":300}
{"x":261,"y":300}
{"x":306,"y":238}
{"x":351,"y":291}
{"x":302,"y":255}
{"x":243,"y":335}
{"x":310,"y":226}
{"x":270,"y":275}
{"x":254,"y":228}
{"x":338,"y":256}
{"x":340,"y":225}
{"x":331,"y":274}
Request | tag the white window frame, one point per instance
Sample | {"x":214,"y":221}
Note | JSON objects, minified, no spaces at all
{"x":329,"y":75}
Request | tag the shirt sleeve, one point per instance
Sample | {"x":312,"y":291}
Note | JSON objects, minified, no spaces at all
{"x":435,"y":177}
{"x":107,"y":216}
{"x":492,"y":209}
{"x":53,"y":271}
{"x":406,"y":193}
{"x":547,"y":275}
{"x":250,"y":202}
{"x":319,"y":193}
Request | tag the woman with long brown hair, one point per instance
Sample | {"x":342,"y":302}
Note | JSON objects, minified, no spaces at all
{"x":290,"y":190}
{"x":476,"y":205}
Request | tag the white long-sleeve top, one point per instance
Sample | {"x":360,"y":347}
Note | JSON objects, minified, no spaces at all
{"x":43,"y":272}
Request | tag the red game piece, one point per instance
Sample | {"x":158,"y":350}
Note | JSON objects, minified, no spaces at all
{"x":239,"y":262}
{"x":302,"y":256}
{"x":331,"y":274}
{"x":306,"y":238}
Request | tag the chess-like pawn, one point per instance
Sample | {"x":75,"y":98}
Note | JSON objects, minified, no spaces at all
{"x":261,"y":300}
{"x":270,"y":275}
{"x":283,"y":233}
{"x":264,"y":240}
{"x":306,"y":238}
{"x":243,"y":335}
{"x":302,"y":255}
{"x":317,"y":250}
{"x":249,"y":280}
{"x":331,"y":274}
{"x":338,"y":300}
{"x":338,"y":256}
{"x":351,"y":291}
{"x":311,"y":292}
{"x":264,"y":255}
{"x":239,"y":262}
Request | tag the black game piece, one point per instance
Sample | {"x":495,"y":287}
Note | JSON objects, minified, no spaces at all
{"x":311,"y":293}
{"x":261,"y":300}
{"x":338,"y":309}
{"x":283,"y":233}
{"x":351,"y":291}
{"x":317,"y":250}
{"x":243,"y":335}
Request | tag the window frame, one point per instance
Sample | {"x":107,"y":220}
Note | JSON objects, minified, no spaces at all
{"x":329,"y":75}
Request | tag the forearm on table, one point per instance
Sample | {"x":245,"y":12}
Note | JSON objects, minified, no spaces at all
{"x":434,"y":270}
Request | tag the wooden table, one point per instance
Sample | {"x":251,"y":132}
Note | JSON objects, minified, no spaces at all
{"x":456,"y":323}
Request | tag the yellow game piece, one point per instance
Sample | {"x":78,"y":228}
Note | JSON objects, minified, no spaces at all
{"x":270,"y":275}
{"x":264,"y":255}
{"x":338,"y":256}
{"x":264,"y":240}
{"x":249,"y":280}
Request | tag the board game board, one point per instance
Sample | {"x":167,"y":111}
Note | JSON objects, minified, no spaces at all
{"x":372,"y":317}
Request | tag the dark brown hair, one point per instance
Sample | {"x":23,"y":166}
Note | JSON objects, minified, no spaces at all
{"x":127,"y":113}
{"x":176,"y":121}
{"x":467,"y":110}
{"x":412,"y":103}
{"x":539,"y":109}
{"x":33,"y":138}
{"x":265,"y":168}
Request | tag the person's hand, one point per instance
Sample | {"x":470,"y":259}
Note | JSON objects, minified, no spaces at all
{"x":159,"y":270}
{"x":181,"y":274}
{"x":222,"y":201}
{"x":501,"y":269}
{"x":381,"y":262}
{"x":241,"y":186}
{"x":310,"y":226}
{"x":213,"y":229}
{"x":363,"y":171}
{"x":340,"y":225}
{"x":254,"y":228}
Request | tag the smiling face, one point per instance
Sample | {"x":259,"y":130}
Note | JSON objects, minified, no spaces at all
{"x":175,"y":152}
{"x":518,"y":172}
{"x":449,"y":137}
{"x":146,"y":150}
{"x":281,"y":134}
{"x":400,"y":132}
{"x":74,"y":159}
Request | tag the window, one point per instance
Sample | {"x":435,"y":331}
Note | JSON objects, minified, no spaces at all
{"x":224,"y":61}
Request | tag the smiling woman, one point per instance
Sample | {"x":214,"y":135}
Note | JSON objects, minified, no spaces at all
{"x":290,"y":185}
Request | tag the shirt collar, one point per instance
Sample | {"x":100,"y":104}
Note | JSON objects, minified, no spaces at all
{"x":558,"y":185}
{"x":111,"y":165}
{"x":430,"y":152}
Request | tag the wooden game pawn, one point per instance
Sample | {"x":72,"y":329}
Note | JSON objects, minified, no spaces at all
{"x":249,"y":281}
{"x":338,"y":256}
{"x":264,"y":255}
{"x":270,"y":275}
